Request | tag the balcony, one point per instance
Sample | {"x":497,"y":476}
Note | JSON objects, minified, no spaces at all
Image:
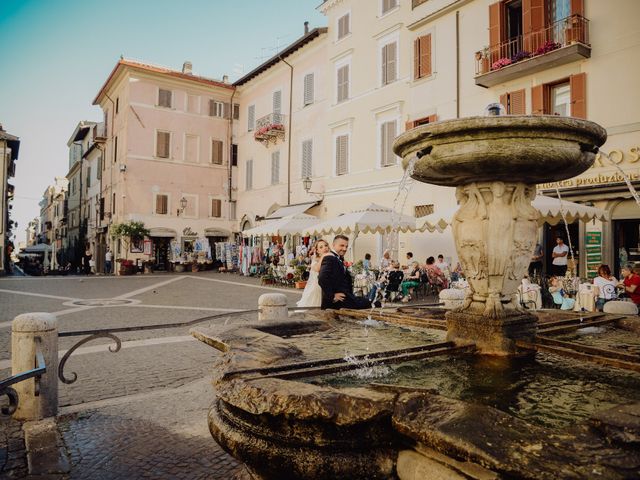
{"x":562,"y":42}
{"x":269,"y":129}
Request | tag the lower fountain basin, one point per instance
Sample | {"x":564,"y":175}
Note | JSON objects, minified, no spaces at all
{"x":529,"y":149}
{"x":287,"y":412}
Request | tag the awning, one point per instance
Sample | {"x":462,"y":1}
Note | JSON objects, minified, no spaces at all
{"x":291,"y":225}
{"x":371,"y":219}
{"x":38,"y":248}
{"x":291,"y":210}
{"x":216,"y":232}
{"x":162,"y":232}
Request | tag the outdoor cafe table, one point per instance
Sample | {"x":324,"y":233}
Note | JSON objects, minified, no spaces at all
{"x":530,"y":295}
{"x":585,"y":298}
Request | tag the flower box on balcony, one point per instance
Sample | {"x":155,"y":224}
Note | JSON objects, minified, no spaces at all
{"x":269,"y":132}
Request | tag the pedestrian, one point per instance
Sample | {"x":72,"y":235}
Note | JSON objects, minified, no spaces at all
{"x":535,"y":266}
{"x":108,"y":259}
{"x":560,"y":256}
{"x":366,"y":263}
{"x":630,"y":282}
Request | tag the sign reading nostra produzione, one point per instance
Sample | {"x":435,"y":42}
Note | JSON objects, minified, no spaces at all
{"x":593,"y":248}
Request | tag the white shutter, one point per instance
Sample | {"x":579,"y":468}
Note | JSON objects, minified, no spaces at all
{"x":277,"y":101}
{"x":249,"y":175}
{"x":251,"y":117}
{"x":307,"y":159}
{"x":343,"y":26}
{"x":308,"y":89}
{"x":275,"y":168}
{"x":343,"y":83}
{"x":212,"y":108}
{"x":342,"y":152}
{"x":392,"y":49}
{"x":387,"y":135}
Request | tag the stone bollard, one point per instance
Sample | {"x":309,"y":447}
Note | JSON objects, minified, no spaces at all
{"x":25,"y":329}
{"x":273,"y":306}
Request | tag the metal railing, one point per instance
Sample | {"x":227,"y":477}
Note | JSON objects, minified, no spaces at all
{"x":270,"y":127}
{"x":35,"y":373}
{"x":569,"y":30}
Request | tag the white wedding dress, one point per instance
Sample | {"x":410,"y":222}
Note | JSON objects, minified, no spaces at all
{"x":312,"y":295}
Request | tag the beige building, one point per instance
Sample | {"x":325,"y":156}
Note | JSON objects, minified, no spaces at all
{"x":9,"y":147}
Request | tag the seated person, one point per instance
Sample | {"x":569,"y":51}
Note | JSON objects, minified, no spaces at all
{"x":436,"y":277}
{"x":394,"y":278}
{"x":606,"y":286}
{"x":411,"y":281}
{"x":631,"y":282}
{"x":559,"y":295}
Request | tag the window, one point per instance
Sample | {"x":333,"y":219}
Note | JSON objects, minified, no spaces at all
{"x":232,"y":210}
{"x":216,"y":207}
{"x":388,"y":5}
{"x":251,"y":118}
{"x":275,"y":168}
{"x":115,"y":149}
{"x":561,"y":98}
{"x":163,"y":144}
{"x":308,"y":89}
{"x":234,"y":155}
{"x":216,"y":109}
{"x":389,"y":63}
{"x":277,"y":101}
{"x":113,"y":204}
{"x":193,"y":104}
{"x":343,"y":83}
{"x":249,"y":175}
{"x":162,"y":204}
{"x":216,"y":152}
{"x":342,"y":154}
{"x":420,"y":121}
{"x":88,"y":177}
{"x":164,"y":98}
{"x":344,"y":26}
{"x":387,"y":135}
{"x":307,"y":159}
{"x":514,"y":102}
{"x":513,"y":14}
{"x":99,"y":168}
{"x":191,"y":149}
{"x":117,"y":104}
{"x":236,"y":111}
{"x":422,"y":210}
{"x":422,"y":56}
{"x":101,"y":208}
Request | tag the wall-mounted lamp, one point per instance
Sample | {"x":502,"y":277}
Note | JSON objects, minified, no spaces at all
{"x":183,"y":206}
{"x":306,"y":184}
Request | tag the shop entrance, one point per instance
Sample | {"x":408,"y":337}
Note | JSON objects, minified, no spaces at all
{"x":161,"y":253}
{"x":626,"y":238}
{"x":551,"y":232}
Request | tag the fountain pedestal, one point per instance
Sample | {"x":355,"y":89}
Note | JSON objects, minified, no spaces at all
{"x":495,"y":164}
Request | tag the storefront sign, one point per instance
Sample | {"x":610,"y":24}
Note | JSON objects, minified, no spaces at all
{"x":147,"y":247}
{"x":187,"y":232}
{"x":593,"y":247}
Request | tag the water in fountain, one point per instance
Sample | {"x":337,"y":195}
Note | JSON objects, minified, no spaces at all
{"x":365,"y":370}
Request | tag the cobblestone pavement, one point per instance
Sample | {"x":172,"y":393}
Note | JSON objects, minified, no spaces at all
{"x":140,"y":412}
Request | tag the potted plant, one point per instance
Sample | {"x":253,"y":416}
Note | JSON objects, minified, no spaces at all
{"x":298,"y":276}
{"x":126,"y":266}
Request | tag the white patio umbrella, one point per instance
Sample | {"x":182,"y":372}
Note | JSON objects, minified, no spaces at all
{"x":549,"y":208}
{"x":289,"y":225}
{"x":371,"y":219}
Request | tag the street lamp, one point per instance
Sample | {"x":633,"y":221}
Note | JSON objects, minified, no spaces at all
{"x":306,"y":184}
{"x":183,"y":205}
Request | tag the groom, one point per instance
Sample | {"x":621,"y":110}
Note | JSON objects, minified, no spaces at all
{"x":335,"y":280}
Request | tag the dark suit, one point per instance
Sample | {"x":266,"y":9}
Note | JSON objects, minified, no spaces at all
{"x":334,"y":278}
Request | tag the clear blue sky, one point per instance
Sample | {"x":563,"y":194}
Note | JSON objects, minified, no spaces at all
{"x":56,"y":54}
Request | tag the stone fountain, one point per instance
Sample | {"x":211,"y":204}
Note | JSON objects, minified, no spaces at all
{"x":277,"y":410}
{"x":495,"y":163}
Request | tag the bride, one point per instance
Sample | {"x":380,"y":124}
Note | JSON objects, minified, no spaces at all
{"x":312,"y":295}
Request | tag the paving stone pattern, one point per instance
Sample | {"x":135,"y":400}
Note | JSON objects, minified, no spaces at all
{"x":13,"y":456}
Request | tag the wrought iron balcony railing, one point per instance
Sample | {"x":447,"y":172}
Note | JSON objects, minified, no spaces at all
{"x":562,"y":33}
{"x":270,"y":128}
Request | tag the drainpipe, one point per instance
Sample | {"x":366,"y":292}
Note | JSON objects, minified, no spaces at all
{"x":289,"y":133}
{"x":229,"y":169}
{"x":113,"y":127}
{"x":457,"y":64}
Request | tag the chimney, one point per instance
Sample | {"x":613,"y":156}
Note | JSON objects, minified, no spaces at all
{"x":225,"y":79}
{"x":306,"y":27}
{"x":187,"y":68}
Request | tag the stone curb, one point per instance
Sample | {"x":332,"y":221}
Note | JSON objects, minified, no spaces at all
{"x":46,"y":452}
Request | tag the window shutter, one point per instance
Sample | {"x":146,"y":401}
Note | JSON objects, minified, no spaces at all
{"x":425,"y":55}
{"x":343,"y":83}
{"x":432,"y":118}
{"x":226,"y":110}
{"x":216,"y":152}
{"x":343,"y":26}
{"x":537,"y":100}
{"x":234,"y":155}
{"x":517,"y":102}
{"x":249,"y":175}
{"x":384,"y":64}
{"x":416,"y":58}
{"x":236,"y":111}
{"x":495,"y":29}
{"x":216,"y":207}
{"x":162,"y":204}
{"x":578,"y":85}
{"x":275,"y":168}
{"x":277,"y":102}
{"x":164,"y":98}
{"x":391,"y":62}
{"x":577,"y":7}
{"x":307,"y":154}
{"x":251,"y":117}
{"x":387,"y":135}
{"x":342,"y":152}
{"x":308,"y":89}
{"x":163,"y":144}
{"x":212,"y":108}
{"x":408,"y":125}
{"x":504,"y":100}
{"x":533,"y":20}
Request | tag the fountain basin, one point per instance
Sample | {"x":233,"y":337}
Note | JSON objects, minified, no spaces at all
{"x":529,"y":149}
{"x":283,"y":424}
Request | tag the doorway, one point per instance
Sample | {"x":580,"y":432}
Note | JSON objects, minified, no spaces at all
{"x":161,"y":253}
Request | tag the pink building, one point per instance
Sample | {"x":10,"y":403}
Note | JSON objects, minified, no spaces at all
{"x":167,"y":157}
